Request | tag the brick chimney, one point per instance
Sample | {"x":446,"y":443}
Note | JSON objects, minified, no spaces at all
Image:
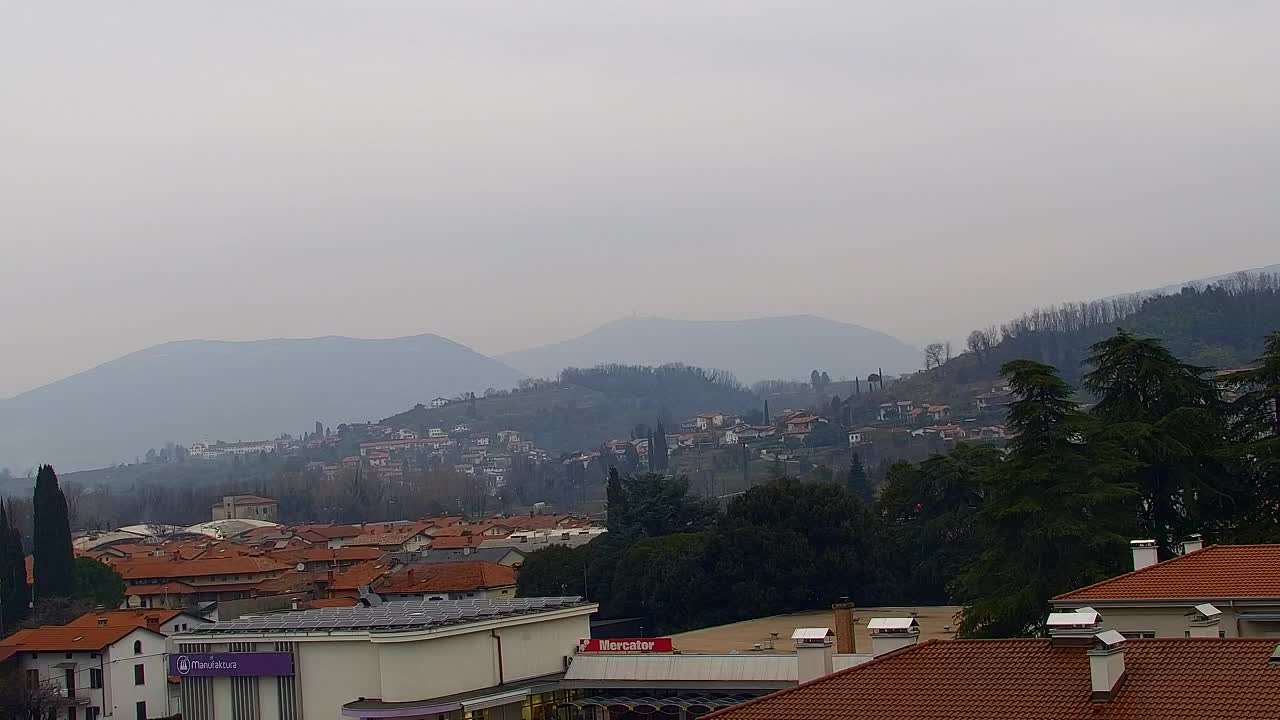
{"x":1203,"y":621}
{"x":846,"y":638}
{"x":153,"y":622}
{"x":1145,"y":553}
{"x":813,"y":652}
{"x":1106,"y":664}
{"x":889,"y":634}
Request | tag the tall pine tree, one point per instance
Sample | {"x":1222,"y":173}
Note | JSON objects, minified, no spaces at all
{"x":53,"y":560}
{"x":1255,"y":432}
{"x":15,"y":595}
{"x":857,"y":482}
{"x":1168,"y":417}
{"x":1056,"y":516}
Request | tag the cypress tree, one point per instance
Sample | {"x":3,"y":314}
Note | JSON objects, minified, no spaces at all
{"x":766,"y":412}
{"x":53,"y":561}
{"x":660,"y":457}
{"x":15,"y":596}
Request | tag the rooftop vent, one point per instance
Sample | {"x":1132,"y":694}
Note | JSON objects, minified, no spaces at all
{"x":1192,"y":544}
{"x":1106,"y":664}
{"x":1203,"y":621}
{"x":895,"y":633}
{"x":1145,"y":553}
{"x":813,"y":652}
{"x":1074,"y":628}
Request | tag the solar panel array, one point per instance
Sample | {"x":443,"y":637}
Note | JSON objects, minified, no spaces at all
{"x":389,"y":616}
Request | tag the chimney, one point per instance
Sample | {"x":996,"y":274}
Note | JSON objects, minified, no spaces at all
{"x":1192,"y":544}
{"x":846,"y":640}
{"x":153,"y":622}
{"x":889,"y":634}
{"x":1106,"y":664}
{"x":1074,"y":628}
{"x":1145,"y":553}
{"x":1204,"y":620}
{"x":813,"y":653}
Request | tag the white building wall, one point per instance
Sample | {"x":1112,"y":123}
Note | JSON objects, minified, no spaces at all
{"x":539,"y":648}
{"x":457,"y":664}
{"x":331,"y":674}
{"x":124,"y":695}
{"x":1172,"y":621}
{"x":44,"y":662}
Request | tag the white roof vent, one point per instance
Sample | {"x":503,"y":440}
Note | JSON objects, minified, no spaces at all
{"x":812,"y":636}
{"x":1110,"y":639}
{"x":1208,"y":611}
{"x":893,"y":624}
{"x":1086,"y":609}
{"x":1073,"y":620}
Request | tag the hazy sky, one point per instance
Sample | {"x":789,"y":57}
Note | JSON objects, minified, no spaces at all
{"x":511,"y":173}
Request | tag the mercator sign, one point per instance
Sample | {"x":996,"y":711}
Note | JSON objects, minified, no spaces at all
{"x":626,"y":645}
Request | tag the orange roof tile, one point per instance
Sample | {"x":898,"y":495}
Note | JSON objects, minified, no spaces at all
{"x":1174,"y":679}
{"x":465,"y":576}
{"x":358,"y":576}
{"x":458,"y":541}
{"x":61,"y":638}
{"x":169,"y":588}
{"x":113,"y":618}
{"x":1216,"y":572}
{"x":173,"y":568}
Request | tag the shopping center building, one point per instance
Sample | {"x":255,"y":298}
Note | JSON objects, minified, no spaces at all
{"x":455,"y":659}
{"x":482,"y":659}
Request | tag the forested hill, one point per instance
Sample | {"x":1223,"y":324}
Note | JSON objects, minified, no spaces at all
{"x":1218,"y":326}
{"x":586,"y":407}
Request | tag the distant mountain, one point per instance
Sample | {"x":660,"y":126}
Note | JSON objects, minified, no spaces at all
{"x":200,"y":389}
{"x":785,"y":348}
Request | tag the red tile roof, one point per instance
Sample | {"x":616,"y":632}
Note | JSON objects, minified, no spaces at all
{"x":457,"y":541}
{"x":136,"y":570}
{"x":465,"y":576}
{"x":1216,"y":572}
{"x":127,"y":618}
{"x":324,"y":554}
{"x":329,"y":602}
{"x":169,"y":588}
{"x":1175,"y":679}
{"x":358,"y":576}
{"x":62,"y":638}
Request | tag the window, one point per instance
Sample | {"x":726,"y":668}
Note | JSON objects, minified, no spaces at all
{"x":71,"y":713}
{"x":69,"y":681}
{"x":1139,"y":635}
{"x":139,"y":675}
{"x":95,"y":679}
{"x":137,"y":647}
{"x":68,"y":656}
{"x":33,"y":678}
{"x":91,"y":712}
{"x":142,"y":709}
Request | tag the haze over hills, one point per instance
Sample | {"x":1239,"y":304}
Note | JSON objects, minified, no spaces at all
{"x":786,"y":348}
{"x":199,"y":389}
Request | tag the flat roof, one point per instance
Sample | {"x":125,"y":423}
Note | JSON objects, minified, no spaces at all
{"x":936,"y":622}
{"x":397,"y":616}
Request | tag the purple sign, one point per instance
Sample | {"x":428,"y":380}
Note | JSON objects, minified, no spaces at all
{"x":230,"y":664}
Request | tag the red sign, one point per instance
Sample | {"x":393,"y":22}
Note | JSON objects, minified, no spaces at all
{"x":626,"y":645}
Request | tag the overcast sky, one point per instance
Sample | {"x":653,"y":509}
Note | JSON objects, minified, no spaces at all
{"x":511,"y":173}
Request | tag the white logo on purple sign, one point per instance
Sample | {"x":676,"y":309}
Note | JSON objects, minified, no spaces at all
{"x":183,"y":665}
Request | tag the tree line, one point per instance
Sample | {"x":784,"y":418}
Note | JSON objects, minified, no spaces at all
{"x":1165,"y":449}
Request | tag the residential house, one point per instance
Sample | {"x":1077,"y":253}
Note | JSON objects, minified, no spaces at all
{"x":938,"y":413}
{"x":506,"y":437}
{"x":708,"y":420}
{"x":449,"y":581}
{"x":439,"y":402}
{"x":246,"y":507}
{"x":1168,"y":599}
{"x":401,"y":537}
{"x":176,"y":583}
{"x":166,"y":622}
{"x":508,"y":556}
{"x":1091,"y":676}
{"x":406,"y":434}
{"x":437,"y":434}
{"x":115,"y":671}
